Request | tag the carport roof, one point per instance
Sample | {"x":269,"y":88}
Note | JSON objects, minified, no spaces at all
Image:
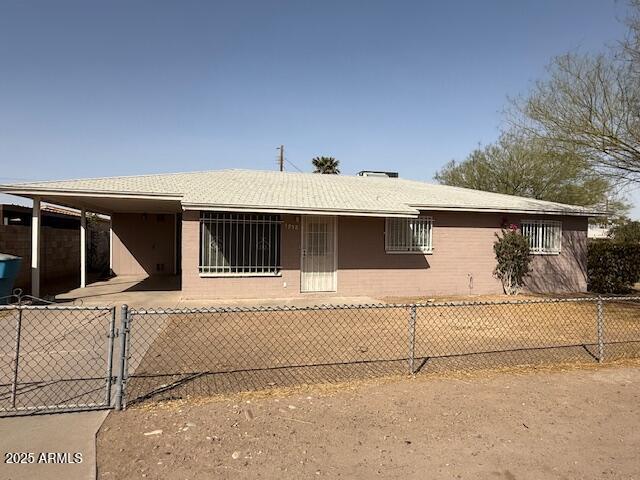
{"x":270,"y":191}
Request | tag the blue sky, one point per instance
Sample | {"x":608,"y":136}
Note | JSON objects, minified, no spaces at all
{"x":91,"y":88}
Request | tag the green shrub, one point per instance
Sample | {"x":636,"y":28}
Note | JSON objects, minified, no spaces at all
{"x":513,"y":259}
{"x":612,"y":267}
{"x":625,"y":231}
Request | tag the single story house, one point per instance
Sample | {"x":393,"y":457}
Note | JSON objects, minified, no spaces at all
{"x":267,"y":234}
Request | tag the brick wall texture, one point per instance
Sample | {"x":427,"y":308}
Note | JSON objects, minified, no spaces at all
{"x":60,"y":253}
{"x":462,"y":261}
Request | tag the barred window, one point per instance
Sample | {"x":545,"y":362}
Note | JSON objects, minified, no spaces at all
{"x":408,"y":235}
{"x":239,"y":244}
{"x":545,"y":236}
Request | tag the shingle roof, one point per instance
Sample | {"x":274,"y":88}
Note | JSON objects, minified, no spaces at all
{"x":266,"y":190}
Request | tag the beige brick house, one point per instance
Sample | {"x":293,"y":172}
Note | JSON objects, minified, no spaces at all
{"x":259,"y":234}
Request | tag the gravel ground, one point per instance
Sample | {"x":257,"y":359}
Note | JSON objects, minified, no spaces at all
{"x":565,"y":422}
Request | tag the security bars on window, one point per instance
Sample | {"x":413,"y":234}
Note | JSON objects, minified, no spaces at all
{"x":239,"y":244}
{"x":408,"y":235}
{"x":545,"y":236}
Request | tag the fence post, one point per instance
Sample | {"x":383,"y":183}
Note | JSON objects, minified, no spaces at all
{"x":600,"y":329}
{"x":124,"y":332}
{"x":110,"y":342}
{"x":125,"y":374}
{"x":16,"y":358}
{"x":412,"y":338}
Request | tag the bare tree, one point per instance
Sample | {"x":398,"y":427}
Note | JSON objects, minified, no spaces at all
{"x":631,"y":44}
{"x":590,"y":104}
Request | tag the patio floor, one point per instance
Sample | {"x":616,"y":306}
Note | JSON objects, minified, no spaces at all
{"x":164,"y":291}
{"x":133,"y":290}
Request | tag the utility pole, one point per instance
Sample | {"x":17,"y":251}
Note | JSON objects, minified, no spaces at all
{"x":281,"y":160}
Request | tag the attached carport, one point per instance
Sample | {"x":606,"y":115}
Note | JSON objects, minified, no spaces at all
{"x":136,"y":236}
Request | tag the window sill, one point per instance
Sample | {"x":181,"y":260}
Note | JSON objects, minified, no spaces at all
{"x":393,"y":252}
{"x":239,"y":275}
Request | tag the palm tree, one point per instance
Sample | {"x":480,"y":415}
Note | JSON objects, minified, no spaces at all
{"x":326,"y":165}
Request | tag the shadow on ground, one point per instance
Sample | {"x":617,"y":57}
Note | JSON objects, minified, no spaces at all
{"x":172,"y":386}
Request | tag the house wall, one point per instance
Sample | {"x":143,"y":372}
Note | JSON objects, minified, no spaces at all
{"x":143,"y":244}
{"x":462,"y":262}
{"x":566,"y":272}
{"x":286,"y":285}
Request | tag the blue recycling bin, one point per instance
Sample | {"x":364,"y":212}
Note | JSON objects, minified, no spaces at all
{"x":9,"y":268}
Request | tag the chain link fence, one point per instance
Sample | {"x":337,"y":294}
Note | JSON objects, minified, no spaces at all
{"x":55,"y":358}
{"x":177,"y":353}
{"x":66,"y":358}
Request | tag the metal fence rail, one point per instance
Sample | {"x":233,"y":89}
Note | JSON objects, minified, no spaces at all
{"x":55,"y":358}
{"x":173,"y":353}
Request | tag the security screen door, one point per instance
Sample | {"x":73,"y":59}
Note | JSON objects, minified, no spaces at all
{"x":318,"y":263}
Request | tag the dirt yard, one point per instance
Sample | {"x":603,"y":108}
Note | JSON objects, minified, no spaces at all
{"x":571,"y":423}
{"x":177,"y":355}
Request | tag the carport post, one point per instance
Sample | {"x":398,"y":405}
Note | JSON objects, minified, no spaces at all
{"x":110,"y":246}
{"x":35,"y":247}
{"x":122,"y":364}
{"x":412,"y":338}
{"x":83,"y":248}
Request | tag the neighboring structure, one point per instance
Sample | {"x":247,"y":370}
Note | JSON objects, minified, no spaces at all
{"x":377,"y":173}
{"x":256,"y":234}
{"x":59,"y":245}
{"x":598,"y":231}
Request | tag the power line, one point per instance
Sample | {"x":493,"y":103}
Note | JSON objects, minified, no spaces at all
{"x":293,"y":165}
{"x":282,"y":159}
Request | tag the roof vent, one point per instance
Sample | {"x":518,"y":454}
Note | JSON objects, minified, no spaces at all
{"x":373,"y":173}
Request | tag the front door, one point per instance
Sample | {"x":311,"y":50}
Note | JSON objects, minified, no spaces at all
{"x":318,"y":263}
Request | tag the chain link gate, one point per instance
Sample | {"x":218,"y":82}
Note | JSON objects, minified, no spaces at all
{"x":55,"y":358}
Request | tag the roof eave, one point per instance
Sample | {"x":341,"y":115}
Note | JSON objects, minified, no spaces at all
{"x":300,"y":211}
{"x":34,"y":192}
{"x":520,"y":211}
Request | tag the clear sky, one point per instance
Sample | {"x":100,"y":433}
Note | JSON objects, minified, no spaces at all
{"x":98,"y":88}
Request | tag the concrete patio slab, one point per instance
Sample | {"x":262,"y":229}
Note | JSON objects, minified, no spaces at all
{"x":69,"y":433}
{"x":164,"y":292}
{"x":132,"y":290}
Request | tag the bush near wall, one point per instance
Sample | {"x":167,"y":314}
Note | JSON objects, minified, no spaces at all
{"x":612,"y":267}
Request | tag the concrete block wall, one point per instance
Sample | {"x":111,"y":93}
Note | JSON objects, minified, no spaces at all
{"x":285,"y":285}
{"x":462,"y":262}
{"x":60,"y":253}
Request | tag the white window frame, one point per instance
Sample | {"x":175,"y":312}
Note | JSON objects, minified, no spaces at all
{"x":243,"y":257}
{"x":539,"y":232}
{"x":401,"y":242}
